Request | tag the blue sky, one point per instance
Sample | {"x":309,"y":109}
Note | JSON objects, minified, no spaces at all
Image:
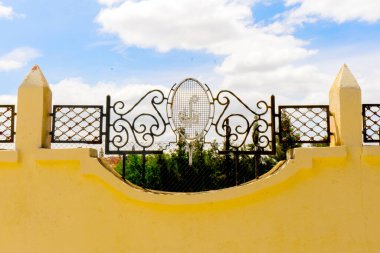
{"x":290,"y":48}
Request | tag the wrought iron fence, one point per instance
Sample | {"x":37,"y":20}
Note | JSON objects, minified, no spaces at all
{"x":188,"y":114}
{"x":131,"y":125}
{"x":371,"y":123}
{"x":7,"y":123}
{"x":189,"y":139}
{"x":171,"y":171}
{"x":309,"y":123}
{"x":77,"y":124}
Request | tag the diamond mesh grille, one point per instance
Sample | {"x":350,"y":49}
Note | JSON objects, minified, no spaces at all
{"x":7,"y":123}
{"x":310,"y":124}
{"x":371,"y":122}
{"x":77,"y":124}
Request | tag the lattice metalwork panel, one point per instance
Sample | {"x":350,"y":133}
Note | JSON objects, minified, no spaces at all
{"x":7,"y":114}
{"x":77,"y":124}
{"x":371,"y":122}
{"x":191,"y":108}
{"x":306,"y":124}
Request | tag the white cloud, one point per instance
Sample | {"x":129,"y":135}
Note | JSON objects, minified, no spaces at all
{"x":18,"y":58}
{"x":185,"y":24}
{"x":109,"y":2}
{"x":8,"y":99}
{"x":364,"y":65}
{"x":77,"y":91}
{"x":257,"y":60}
{"x":340,"y":11}
{"x":290,"y":84}
{"x":6,"y":11}
{"x":219,"y":27}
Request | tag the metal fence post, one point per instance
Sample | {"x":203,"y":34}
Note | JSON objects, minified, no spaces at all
{"x":143,"y":181}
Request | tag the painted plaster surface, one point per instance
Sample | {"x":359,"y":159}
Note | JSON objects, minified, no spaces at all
{"x":320,"y":200}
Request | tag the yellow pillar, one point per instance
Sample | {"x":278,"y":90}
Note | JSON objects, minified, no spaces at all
{"x":33,"y":109}
{"x":346,"y":107}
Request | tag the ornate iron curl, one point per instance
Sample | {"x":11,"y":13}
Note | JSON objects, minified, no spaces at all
{"x":242,"y":129}
{"x":124,"y":126}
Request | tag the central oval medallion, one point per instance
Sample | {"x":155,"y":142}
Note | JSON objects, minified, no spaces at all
{"x":190,"y":108}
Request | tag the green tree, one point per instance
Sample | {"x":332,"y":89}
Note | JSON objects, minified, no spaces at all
{"x":288,"y":139}
{"x":132,"y":169}
{"x":209,"y":170}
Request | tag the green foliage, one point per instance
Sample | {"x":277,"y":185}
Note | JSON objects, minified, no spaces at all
{"x":289,"y":139}
{"x":209,"y":170}
{"x":320,"y":145}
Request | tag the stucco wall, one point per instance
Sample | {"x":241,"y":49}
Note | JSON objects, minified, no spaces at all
{"x":321,"y":200}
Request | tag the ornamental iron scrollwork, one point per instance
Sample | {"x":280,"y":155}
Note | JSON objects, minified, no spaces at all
{"x":7,"y":123}
{"x":243,"y":126}
{"x":192,"y":111}
{"x":142,"y":124}
{"x":190,"y":115}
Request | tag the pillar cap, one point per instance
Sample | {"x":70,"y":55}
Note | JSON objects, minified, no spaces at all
{"x":345,"y":79}
{"x":35,"y":78}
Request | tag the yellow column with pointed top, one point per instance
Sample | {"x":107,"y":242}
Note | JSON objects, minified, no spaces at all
{"x":346,"y":107}
{"x":33,"y":109}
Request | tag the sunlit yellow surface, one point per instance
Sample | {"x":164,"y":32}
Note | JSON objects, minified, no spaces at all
{"x":321,"y":200}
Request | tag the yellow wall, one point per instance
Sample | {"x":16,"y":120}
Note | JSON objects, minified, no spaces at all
{"x":321,"y":200}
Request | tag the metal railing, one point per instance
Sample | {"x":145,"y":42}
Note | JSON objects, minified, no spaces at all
{"x":309,"y":123}
{"x":371,"y":123}
{"x":215,"y":141}
{"x":7,"y":123}
{"x":221,"y":132}
{"x":77,"y":124}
